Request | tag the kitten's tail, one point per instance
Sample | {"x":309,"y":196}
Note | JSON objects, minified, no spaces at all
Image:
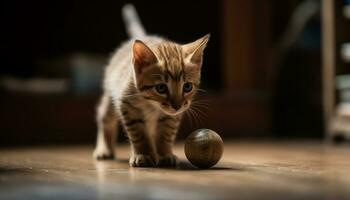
{"x":132,"y":22}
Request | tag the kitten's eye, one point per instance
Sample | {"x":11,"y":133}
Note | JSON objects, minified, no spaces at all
{"x":161,"y":88}
{"x":187,"y":87}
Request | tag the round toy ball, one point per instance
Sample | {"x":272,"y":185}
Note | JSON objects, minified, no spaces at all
{"x":204,"y":148}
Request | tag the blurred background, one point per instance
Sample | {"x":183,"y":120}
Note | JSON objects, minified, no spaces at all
{"x":271,"y":68}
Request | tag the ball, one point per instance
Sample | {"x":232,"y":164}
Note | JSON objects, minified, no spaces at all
{"x":204,"y":148}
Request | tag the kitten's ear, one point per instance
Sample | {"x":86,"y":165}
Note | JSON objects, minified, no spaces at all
{"x":143,"y":56}
{"x":194,"y":50}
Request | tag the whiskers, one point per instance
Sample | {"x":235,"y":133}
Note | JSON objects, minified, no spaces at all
{"x":197,"y":112}
{"x":201,"y":90}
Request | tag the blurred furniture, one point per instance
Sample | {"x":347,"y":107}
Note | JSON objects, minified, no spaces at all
{"x":336,"y":36}
{"x":246,"y":71}
{"x":28,"y":119}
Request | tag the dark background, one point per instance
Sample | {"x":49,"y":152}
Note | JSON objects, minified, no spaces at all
{"x":48,"y":29}
{"x":36,"y":35}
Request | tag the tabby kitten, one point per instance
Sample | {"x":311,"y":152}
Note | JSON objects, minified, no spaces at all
{"x":148,"y":84}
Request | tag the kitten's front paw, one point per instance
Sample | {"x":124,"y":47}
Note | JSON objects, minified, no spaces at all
{"x":142,"y":160}
{"x":168,"y":161}
{"x":103,"y":154}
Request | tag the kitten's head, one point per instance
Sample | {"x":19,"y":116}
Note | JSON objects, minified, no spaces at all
{"x":168,"y":75}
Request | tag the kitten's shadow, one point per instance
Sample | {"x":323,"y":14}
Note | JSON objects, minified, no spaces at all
{"x":184,"y":165}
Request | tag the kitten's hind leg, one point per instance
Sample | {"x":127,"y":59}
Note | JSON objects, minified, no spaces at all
{"x":107,"y":129}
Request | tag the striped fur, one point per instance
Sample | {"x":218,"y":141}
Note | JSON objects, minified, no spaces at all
{"x":151,"y":118}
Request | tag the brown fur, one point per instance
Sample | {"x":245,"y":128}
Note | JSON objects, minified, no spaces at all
{"x":150,"y":118}
{"x":133,"y":97}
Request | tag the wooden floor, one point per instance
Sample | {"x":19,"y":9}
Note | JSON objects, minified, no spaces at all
{"x":248,"y":170}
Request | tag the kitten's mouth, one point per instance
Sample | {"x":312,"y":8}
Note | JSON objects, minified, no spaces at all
{"x":174,"y":112}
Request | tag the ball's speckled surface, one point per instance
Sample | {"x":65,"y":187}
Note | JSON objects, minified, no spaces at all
{"x":204,"y":148}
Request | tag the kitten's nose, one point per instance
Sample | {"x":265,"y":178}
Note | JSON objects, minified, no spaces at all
{"x":176,"y":105}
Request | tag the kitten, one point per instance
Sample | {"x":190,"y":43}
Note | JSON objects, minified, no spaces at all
{"x":148,"y":84}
